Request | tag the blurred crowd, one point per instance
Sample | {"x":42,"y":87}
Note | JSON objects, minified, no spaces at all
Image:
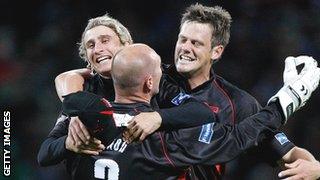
{"x":38,"y":40}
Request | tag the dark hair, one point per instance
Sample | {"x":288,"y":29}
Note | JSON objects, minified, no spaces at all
{"x":216,"y":16}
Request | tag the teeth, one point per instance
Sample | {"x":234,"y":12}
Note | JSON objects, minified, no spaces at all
{"x":186,"y":58}
{"x":103,"y":58}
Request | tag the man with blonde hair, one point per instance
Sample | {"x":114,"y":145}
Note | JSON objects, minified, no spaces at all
{"x":101,"y":40}
{"x":204,"y":33}
{"x":164,"y":154}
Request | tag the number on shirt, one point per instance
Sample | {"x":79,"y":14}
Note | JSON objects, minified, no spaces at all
{"x":100,"y":166}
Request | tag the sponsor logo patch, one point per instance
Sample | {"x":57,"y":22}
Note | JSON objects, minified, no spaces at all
{"x":206,"y":133}
{"x":282,"y":138}
{"x":121,"y":120}
{"x":179,"y":98}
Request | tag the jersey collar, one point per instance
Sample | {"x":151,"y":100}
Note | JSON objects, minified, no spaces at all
{"x":183,"y":82}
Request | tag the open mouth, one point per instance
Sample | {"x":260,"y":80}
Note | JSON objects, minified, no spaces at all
{"x":103,"y":58}
{"x":184,"y":58}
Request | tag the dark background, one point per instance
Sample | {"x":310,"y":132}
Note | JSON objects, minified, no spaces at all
{"x":38,"y":41}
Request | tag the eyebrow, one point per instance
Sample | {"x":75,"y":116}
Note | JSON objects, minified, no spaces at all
{"x":181,"y":36}
{"x":99,"y":37}
{"x":104,"y":36}
{"x":192,"y":39}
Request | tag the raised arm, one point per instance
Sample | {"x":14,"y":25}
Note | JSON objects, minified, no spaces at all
{"x":71,"y":81}
{"x":217,"y":143}
{"x":293,"y":95}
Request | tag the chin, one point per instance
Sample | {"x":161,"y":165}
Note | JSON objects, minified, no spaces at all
{"x":155,"y":92}
{"x":183,"y":70}
{"x":179,"y":69}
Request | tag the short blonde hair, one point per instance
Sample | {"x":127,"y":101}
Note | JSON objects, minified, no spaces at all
{"x":108,"y":21}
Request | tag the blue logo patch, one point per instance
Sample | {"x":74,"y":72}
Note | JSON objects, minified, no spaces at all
{"x":206,"y":133}
{"x":282,"y":138}
{"x":179,"y":98}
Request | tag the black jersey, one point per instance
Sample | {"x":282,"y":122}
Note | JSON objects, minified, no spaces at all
{"x":164,"y":155}
{"x":205,"y":144}
{"x":232,"y":105}
{"x":173,"y":118}
{"x":99,"y":85}
{"x":52,"y":150}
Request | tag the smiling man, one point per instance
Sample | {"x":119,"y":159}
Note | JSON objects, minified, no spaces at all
{"x":204,"y":33}
{"x":194,"y":55}
{"x":101,"y":40}
{"x":165,"y":154}
{"x":100,"y":59}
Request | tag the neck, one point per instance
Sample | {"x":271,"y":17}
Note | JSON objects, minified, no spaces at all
{"x":125,"y":98}
{"x":198,"y":80}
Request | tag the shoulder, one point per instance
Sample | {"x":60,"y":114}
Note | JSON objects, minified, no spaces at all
{"x":245,"y":104}
{"x":233,"y":91}
{"x":93,"y":83}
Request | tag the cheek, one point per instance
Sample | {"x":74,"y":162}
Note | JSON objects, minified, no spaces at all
{"x":89,"y":56}
{"x":201,"y":53}
{"x":176,"y":54}
{"x":177,"y":48}
{"x":89,"y":52}
{"x":115,"y":46}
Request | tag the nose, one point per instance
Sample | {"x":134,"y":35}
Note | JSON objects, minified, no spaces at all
{"x":98,"y":48}
{"x":186,"y":46}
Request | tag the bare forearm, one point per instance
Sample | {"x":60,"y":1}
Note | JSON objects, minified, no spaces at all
{"x":70,"y":81}
{"x":298,"y":153}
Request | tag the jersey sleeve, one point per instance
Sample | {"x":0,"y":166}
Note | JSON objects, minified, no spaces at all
{"x":246,"y":106}
{"x":190,"y":113}
{"x":52,"y":150}
{"x":180,"y":110}
{"x":168,"y":90}
{"x":280,"y":145}
{"x":215,"y":143}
